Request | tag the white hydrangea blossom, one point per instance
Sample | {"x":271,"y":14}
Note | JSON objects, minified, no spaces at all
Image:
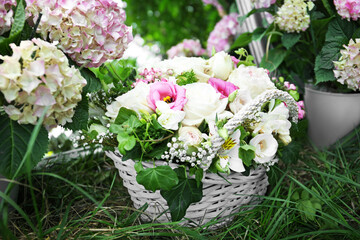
{"x":293,"y":15}
{"x":347,"y":68}
{"x":38,"y":75}
{"x":6,"y":15}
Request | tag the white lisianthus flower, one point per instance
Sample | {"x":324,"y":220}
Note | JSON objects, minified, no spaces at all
{"x":242,"y":98}
{"x":229,"y":153}
{"x":203,"y":103}
{"x":169,"y":118}
{"x":276,"y":122}
{"x":184,"y":64}
{"x":266,"y":147}
{"x":253,"y":79}
{"x":190,"y":136}
{"x":221,"y":65}
{"x":135,"y":100}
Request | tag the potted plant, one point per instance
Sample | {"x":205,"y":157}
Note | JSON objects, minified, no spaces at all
{"x":46,"y":50}
{"x":315,"y":45}
{"x":196,"y":136}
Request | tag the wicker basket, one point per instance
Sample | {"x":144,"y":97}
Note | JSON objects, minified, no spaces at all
{"x":221,"y":198}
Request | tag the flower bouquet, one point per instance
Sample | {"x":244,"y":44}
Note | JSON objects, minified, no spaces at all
{"x":202,"y":132}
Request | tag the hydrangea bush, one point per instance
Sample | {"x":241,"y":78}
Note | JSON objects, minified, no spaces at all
{"x":6,"y":15}
{"x":178,"y":108}
{"x":88,"y":31}
{"x":38,"y":75}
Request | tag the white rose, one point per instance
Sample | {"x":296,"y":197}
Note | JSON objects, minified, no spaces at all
{"x":135,"y":100}
{"x":169,"y":118}
{"x":242,"y":98}
{"x":266,"y":147}
{"x":185,"y":64}
{"x":276,"y":122}
{"x":221,"y":65}
{"x":191,"y":136}
{"x":251,"y":78}
{"x":203,"y":103}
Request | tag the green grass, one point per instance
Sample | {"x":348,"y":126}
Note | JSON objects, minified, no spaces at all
{"x":318,"y":197}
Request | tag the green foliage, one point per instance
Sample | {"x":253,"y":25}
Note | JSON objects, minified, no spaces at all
{"x":81,"y":115}
{"x":186,"y":78}
{"x":338,"y":34}
{"x":272,"y":59}
{"x":308,"y":203}
{"x":247,"y":154}
{"x":180,"y":197}
{"x":169,"y":22}
{"x":158,"y":178}
{"x":290,"y":39}
{"x":14,"y":139}
{"x":93,"y":83}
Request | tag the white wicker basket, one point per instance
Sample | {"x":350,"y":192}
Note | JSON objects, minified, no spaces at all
{"x":221,"y":198}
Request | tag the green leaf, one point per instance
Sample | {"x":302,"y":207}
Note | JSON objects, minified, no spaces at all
{"x":243,"y":132}
{"x":158,"y":150}
{"x":81,"y":115}
{"x":158,"y":178}
{"x":133,"y":154}
{"x":126,"y":142}
{"x":274,"y":58}
{"x":93,"y":83}
{"x":259,"y":33}
{"x":247,"y":154}
{"x":182,"y":195}
{"x":14,"y":139}
{"x":290,"y":39}
{"x":242,"y":41}
{"x":199,"y":174}
{"x":138,"y":167}
{"x":124,"y":114}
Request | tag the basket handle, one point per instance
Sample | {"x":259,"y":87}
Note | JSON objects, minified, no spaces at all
{"x":249,"y":112}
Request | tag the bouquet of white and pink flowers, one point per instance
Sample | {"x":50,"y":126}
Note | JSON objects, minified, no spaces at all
{"x":217,"y":115}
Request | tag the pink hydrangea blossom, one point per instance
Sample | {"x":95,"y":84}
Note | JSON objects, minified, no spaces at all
{"x":38,"y":75}
{"x":223,"y":34}
{"x":6,"y":15}
{"x":263,"y":3}
{"x":168,"y":92}
{"x":187,"y":48}
{"x":301,"y":109}
{"x":223,"y":87}
{"x":347,"y":68}
{"x":349,"y":9}
{"x":90,"y":32}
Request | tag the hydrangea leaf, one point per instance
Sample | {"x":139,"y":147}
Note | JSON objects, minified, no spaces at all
{"x":81,"y":115}
{"x":273,"y":59}
{"x":93,"y":83}
{"x":290,"y":39}
{"x":158,"y":178}
{"x":180,"y":197}
{"x":242,"y":41}
{"x":14,"y":139}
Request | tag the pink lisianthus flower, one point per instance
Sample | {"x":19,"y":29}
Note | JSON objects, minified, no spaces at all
{"x":172,"y":94}
{"x":301,"y":109}
{"x":223,"y":87}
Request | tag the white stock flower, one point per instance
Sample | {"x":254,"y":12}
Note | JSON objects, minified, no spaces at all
{"x":135,"y":100}
{"x":220,"y":65}
{"x":266,"y":147}
{"x":203,"y":103}
{"x":184,"y":64}
{"x":190,"y":136}
{"x":253,"y":79}
{"x":169,"y":118}
{"x":229,"y":153}
{"x":276,"y":122}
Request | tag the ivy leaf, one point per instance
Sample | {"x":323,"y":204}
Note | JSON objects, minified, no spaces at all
{"x":290,"y":39}
{"x":158,"y":178}
{"x":126,"y":142}
{"x":124,"y":114}
{"x":182,"y":195}
{"x":81,"y":115}
{"x":247,"y":154}
{"x":14,"y":140}
{"x":274,"y":58}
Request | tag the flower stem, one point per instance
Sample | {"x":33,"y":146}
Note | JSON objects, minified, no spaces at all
{"x":32,"y":35}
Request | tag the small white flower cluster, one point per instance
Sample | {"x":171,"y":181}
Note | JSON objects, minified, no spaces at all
{"x":347,"y":69}
{"x":179,"y":153}
{"x":293,"y":15}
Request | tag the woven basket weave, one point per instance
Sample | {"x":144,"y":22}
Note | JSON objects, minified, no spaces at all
{"x":221,"y":198}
